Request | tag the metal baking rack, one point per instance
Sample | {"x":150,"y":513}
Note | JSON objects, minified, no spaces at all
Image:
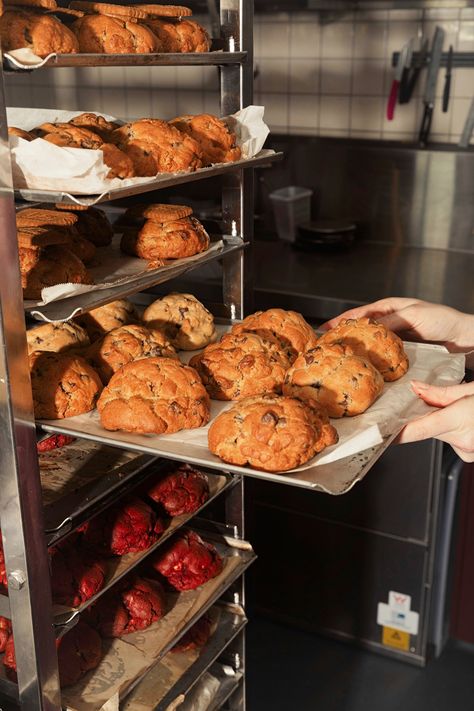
{"x":22,"y":514}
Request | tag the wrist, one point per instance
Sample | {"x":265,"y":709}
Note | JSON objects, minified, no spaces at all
{"x":464,"y":340}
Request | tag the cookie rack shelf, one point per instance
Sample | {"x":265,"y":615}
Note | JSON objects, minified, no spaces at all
{"x":22,"y":514}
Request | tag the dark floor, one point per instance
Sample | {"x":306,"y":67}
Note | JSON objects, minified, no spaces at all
{"x":290,"y":670}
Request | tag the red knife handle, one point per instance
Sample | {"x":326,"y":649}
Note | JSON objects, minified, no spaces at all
{"x":392,"y":99}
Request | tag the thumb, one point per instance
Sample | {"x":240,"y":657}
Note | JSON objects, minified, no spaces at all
{"x":440,"y":396}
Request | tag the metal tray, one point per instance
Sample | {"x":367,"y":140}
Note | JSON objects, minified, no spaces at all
{"x":231,"y":623}
{"x":165,"y":180}
{"x":229,"y":684}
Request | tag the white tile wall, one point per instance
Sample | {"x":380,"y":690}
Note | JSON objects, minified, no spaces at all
{"x":317,"y":75}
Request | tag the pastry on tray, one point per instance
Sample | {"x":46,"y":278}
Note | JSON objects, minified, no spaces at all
{"x":270,"y":432}
{"x":181,"y":36}
{"x":47,"y":266}
{"x":56,"y":337}
{"x":241,"y":365}
{"x":288,"y":329}
{"x":159,"y":212}
{"x":154,"y":395}
{"x":40,"y":32}
{"x":102,"y":34}
{"x":125,"y":344}
{"x":174,"y":239}
{"x":371,"y":340}
{"x":93,"y":224}
{"x":182,"y":490}
{"x":186,"y":322}
{"x":20,"y":133}
{"x":63,"y":385}
{"x":76,"y":575}
{"x":187,"y":562}
{"x":175,"y":11}
{"x":336,"y":379}
{"x":196,"y":637}
{"x":103,"y":319}
{"x":215,"y":139}
{"x":96,"y":123}
{"x":128,"y":12}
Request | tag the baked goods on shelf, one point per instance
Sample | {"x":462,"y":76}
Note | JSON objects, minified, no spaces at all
{"x":336,"y":379}
{"x":93,"y":224}
{"x":133,"y":604}
{"x":182,"y":36}
{"x":76,"y":576}
{"x":41,"y":32}
{"x":241,"y":365}
{"x":168,"y":239}
{"x":47,"y":266}
{"x":154,"y":395}
{"x":288,"y":329}
{"x":20,"y":133}
{"x":63,"y":384}
{"x":176,"y":11}
{"x":186,"y":322}
{"x":107,"y":34}
{"x":371,"y":340}
{"x":5,"y":632}
{"x":271,"y":433}
{"x":103,"y":319}
{"x":55,"y":441}
{"x":108,"y":9}
{"x":187,"y":562}
{"x":182,"y":490}
{"x":96,"y":123}
{"x":124,"y":345}
{"x":56,"y":337}
{"x":196,"y":637}
{"x":214,"y":137}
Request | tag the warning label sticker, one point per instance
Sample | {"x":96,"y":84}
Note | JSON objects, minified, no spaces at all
{"x":396,"y":638}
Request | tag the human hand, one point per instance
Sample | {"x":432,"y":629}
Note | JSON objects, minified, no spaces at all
{"x":416,"y":320}
{"x":453,"y":423}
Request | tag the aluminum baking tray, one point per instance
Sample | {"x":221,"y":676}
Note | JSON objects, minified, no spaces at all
{"x":215,"y":58}
{"x":164,"y":180}
{"x":143,"y":695}
{"x":229,"y":682}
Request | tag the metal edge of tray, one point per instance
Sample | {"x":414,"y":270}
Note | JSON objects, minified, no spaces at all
{"x":230,"y":624}
{"x":264,"y":157}
{"x":156,"y":59}
{"x":66,"y":618}
{"x":229,"y":684}
{"x":65,"y":309}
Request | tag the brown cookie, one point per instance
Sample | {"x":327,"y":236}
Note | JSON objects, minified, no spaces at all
{"x":333,"y":377}
{"x":101,"y":34}
{"x":166,"y":34}
{"x":166,"y":240}
{"x":94,"y":225}
{"x":288,"y":329}
{"x":165,"y":10}
{"x":154,"y":395}
{"x":96,"y":123}
{"x":42,"y":33}
{"x":48,"y":266}
{"x":371,"y":340}
{"x":43,"y":4}
{"x":162,"y":212}
{"x":63,"y":385}
{"x":66,"y":14}
{"x":186,"y":322}
{"x":42,"y":236}
{"x":81,"y":247}
{"x":241,"y":365}
{"x":56,"y":337}
{"x":64,"y":134}
{"x":100,"y":321}
{"x":215,"y":139}
{"x":36,"y":217}
{"x":20,"y":133}
{"x":102,"y":8}
{"x":271,"y":433}
{"x":193,"y":37}
{"x":125,"y":344}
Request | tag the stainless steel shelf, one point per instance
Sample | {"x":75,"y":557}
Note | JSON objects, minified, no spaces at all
{"x":164,"y":180}
{"x":229,"y":684}
{"x":230,"y":625}
{"x":65,"y":309}
{"x":215,"y":58}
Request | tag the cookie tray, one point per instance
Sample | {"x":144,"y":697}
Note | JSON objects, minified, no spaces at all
{"x":165,"y":180}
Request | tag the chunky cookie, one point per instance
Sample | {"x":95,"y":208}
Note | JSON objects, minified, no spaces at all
{"x":43,"y":217}
{"x":271,"y":433}
{"x":186,"y":322}
{"x":63,"y":385}
{"x":154,"y":395}
{"x":42,"y":33}
{"x":125,"y":344}
{"x":181,"y":37}
{"x":102,"y":34}
{"x":20,"y":133}
{"x":48,"y":266}
{"x":166,"y":240}
{"x":287,"y":329}
{"x":103,"y":319}
{"x":371,"y":340}
{"x":103,"y":8}
{"x":93,"y":224}
{"x":96,"y":123}
{"x":241,"y":365}
{"x":215,"y":139}
{"x":56,"y":337}
{"x":334,"y":378}
{"x":165,"y":10}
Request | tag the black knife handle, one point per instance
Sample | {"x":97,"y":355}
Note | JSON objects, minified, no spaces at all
{"x":403,"y":91}
{"x":426,"y":124}
{"x":446,"y":92}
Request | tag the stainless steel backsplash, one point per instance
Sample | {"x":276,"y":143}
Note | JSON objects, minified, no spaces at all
{"x":397,"y":194}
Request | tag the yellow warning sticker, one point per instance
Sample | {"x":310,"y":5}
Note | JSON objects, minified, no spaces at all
{"x":396,"y":638}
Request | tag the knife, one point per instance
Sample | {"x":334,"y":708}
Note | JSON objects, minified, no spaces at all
{"x":447,"y":80}
{"x":430,"y":90}
{"x":400,"y":69}
{"x":407,"y":88}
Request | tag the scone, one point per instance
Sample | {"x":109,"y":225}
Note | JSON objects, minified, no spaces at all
{"x":241,"y":365}
{"x":334,"y":378}
{"x":287,"y":329}
{"x":41,"y":33}
{"x":63,"y":385}
{"x":154,"y":395}
{"x":96,"y":123}
{"x":124,"y":344}
{"x":48,"y":266}
{"x":44,"y":217}
{"x":215,"y":139}
{"x":186,"y":322}
{"x":156,"y":147}
{"x":271,"y":433}
{"x":182,"y":36}
{"x":103,"y":34}
{"x":103,"y":319}
{"x":93,"y":224}
{"x":56,"y":337}
{"x":371,"y":340}
{"x":166,"y":240}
